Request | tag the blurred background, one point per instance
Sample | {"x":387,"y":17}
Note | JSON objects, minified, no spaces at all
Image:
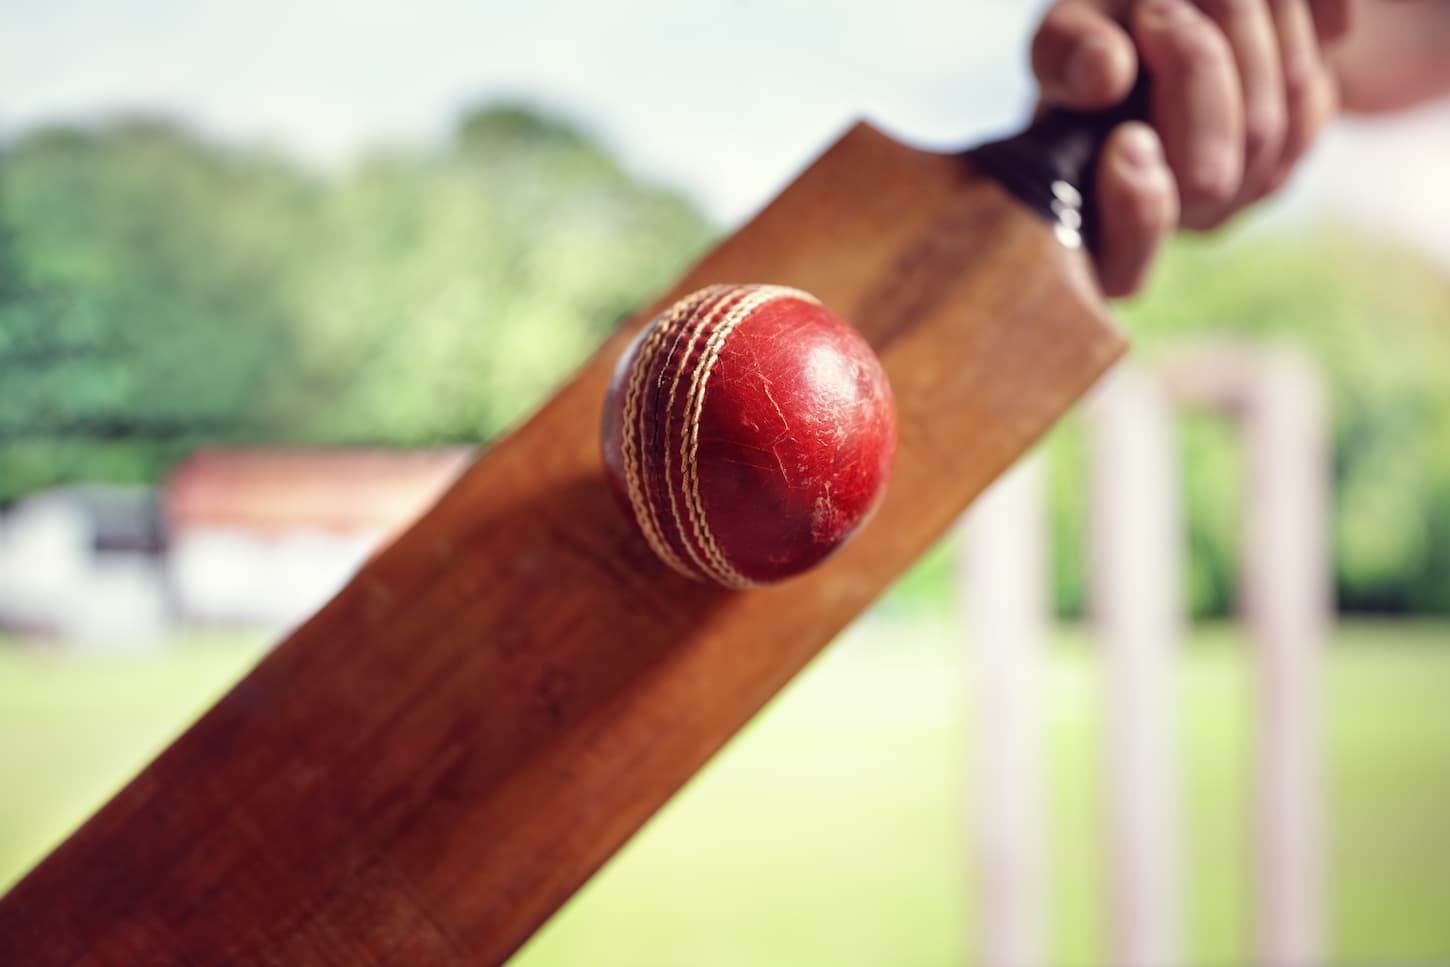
{"x":271,"y":273}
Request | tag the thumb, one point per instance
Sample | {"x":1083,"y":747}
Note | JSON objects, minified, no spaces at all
{"x":1082,"y":58}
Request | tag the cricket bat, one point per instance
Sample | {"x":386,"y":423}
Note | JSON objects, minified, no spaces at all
{"x":428,"y":768}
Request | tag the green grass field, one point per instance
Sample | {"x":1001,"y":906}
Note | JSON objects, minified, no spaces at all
{"x":832,"y":831}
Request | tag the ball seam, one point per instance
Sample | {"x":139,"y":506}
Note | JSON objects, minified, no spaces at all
{"x":633,"y":424}
{"x":714,"y":560}
{"x":706,"y":314}
{"x":719,"y":565}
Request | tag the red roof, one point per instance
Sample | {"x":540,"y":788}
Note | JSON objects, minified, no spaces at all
{"x":283,"y":490}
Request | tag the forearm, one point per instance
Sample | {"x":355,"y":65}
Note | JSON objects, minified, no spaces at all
{"x":1396,"y":55}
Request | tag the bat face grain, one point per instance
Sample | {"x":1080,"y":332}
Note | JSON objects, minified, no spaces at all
{"x":430,"y":766}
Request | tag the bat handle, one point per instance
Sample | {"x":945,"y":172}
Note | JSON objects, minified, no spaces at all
{"x":1052,"y":166}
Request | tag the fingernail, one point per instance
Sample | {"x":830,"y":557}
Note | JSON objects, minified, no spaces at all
{"x":1160,"y":14}
{"x":1140,"y":147}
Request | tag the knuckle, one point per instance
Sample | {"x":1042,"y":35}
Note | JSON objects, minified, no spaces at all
{"x":1301,"y":76}
{"x":1264,"y":129}
{"x":1208,"y":185}
{"x":1198,"y":47}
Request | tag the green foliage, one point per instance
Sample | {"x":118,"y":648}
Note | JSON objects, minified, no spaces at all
{"x":453,"y":292}
{"x":1376,"y":319}
{"x":158,"y":292}
{"x":139,"y":306}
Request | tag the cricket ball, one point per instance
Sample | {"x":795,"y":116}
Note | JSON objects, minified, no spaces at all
{"x":749,"y":433}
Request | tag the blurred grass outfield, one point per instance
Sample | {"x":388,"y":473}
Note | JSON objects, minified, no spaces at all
{"x":831,"y":831}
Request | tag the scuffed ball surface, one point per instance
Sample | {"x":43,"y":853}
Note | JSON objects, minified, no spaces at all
{"x":749,"y":433}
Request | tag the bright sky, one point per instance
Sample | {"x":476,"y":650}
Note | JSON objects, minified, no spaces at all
{"x":722,"y":98}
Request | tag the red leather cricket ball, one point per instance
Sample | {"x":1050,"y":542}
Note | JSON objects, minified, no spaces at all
{"x":749,"y":433}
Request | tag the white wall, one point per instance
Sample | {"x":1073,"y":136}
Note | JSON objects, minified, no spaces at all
{"x":225,"y":576}
{"x":51,"y":580}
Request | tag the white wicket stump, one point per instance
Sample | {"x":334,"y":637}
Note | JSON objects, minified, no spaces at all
{"x":1287,"y":602}
{"x":1136,"y":554}
{"x":1004,"y":586}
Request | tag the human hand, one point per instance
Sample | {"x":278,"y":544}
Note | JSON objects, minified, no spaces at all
{"x":1239,"y":90}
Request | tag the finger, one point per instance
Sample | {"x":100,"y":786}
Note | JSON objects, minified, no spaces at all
{"x":1250,"y":32}
{"x":1197,"y":105}
{"x":1321,"y":104}
{"x":1082,"y":58}
{"x":1308,"y":88}
{"x":1137,"y":206}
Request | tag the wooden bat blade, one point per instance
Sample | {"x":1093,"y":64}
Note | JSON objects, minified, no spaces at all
{"x":427,"y":769}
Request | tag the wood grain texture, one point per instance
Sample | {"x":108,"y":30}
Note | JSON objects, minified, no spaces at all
{"x":427,"y":769}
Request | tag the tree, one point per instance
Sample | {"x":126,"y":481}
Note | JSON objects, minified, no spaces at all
{"x":454,"y":290}
{"x":158,"y":291}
